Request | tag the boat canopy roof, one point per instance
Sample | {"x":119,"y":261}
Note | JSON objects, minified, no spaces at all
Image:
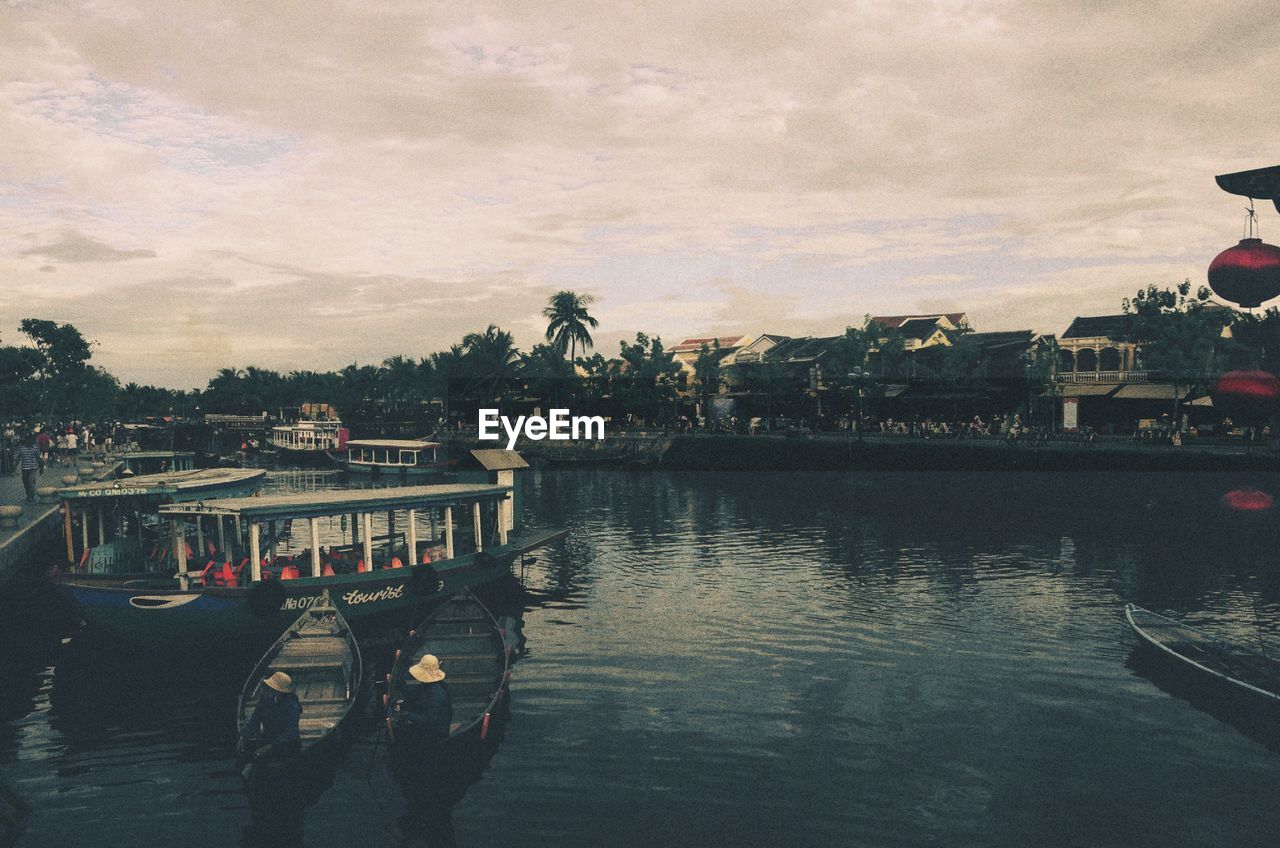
{"x":168,"y":483}
{"x":402,"y":444}
{"x":340,"y":502}
{"x":157,"y":454}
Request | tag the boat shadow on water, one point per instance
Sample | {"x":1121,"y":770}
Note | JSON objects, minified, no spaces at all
{"x":1255,"y":717}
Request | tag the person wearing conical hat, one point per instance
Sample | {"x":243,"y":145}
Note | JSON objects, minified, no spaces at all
{"x":426,"y":709}
{"x":272,"y":731}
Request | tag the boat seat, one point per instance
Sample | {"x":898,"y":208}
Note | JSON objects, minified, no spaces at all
{"x":301,"y":662}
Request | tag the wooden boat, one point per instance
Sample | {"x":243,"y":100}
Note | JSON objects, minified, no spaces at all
{"x":476,"y":658}
{"x":119,"y":524}
{"x":279,"y":558}
{"x":1238,"y":666}
{"x":322,"y":657}
{"x":392,"y":457}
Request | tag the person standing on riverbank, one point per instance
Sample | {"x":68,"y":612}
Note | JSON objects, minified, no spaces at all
{"x":29,"y":465}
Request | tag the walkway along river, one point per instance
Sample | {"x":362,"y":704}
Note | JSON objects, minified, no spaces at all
{"x":720,"y":659}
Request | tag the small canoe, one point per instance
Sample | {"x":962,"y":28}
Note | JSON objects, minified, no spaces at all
{"x":322,"y":657}
{"x":475,"y":657}
{"x":1234,"y":664}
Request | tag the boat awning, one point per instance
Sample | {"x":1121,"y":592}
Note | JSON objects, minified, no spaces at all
{"x":340,"y":502}
{"x":1202,"y":401}
{"x":497,"y":459}
{"x":401,"y":444}
{"x":166,"y":484}
{"x":1149,"y":391}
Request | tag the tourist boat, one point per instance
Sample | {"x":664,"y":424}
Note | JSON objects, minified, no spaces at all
{"x":279,"y":560}
{"x":394,"y":457}
{"x":317,"y":432}
{"x":475,"y":653}
{"x":134,"y":463}
{"x":119,"y":531}
{"x":1238,"y":666}
{"x":322,"y":657}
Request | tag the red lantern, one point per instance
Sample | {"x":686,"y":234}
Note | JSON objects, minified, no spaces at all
{"x":1247,"y":274}
{"x":1249,"y":397}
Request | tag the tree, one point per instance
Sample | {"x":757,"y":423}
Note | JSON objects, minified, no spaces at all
{"x":645,"y":376}
{"x":491,"y":361}
{"x":569,"y":322}
{"x":548,"y":375}
{"x":1255,"y":341}
{"x":1178,"y":334}
{"x":63,"y":353}
{"x":447,"y":375}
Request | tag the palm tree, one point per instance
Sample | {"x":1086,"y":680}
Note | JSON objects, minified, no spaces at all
{"x":569,"y":320}
{"x":491,"y":360}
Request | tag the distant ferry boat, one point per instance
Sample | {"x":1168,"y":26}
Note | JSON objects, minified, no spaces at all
{"x":317,"y":432}
{"x":399,"y":457}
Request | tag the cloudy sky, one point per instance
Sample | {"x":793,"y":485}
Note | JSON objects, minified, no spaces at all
{"x":306,"y":184}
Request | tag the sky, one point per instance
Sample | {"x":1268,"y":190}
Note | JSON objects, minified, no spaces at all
{"x":301,"y":185}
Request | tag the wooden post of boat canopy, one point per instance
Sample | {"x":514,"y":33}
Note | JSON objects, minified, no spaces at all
{"x":475,"y":523}
{"x":448,"y":532}
{"x":502,"y":520}
{"x":315,"y":547}
{"x":180,"y":550}
{"x":255,"y":550}
{"x":391,"y":534}
{"x":84,"y":531}
{"x":367,"y":532}
{"x":411,"y":536}
{"x":235,"y":522}
{"x":66,"y":532}
{"x":432,"y":516}
{"x":102,"y":535}
{"x":200,"y":536}
{"x":222,"y":540}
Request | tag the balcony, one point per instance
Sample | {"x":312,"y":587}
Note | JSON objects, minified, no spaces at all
{"x":1104,"y":377}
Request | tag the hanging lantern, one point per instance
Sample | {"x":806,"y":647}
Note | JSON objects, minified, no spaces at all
{"x":1246,"y":274}
{"x":1247,"y":397}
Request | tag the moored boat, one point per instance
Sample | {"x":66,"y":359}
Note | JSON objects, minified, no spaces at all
{"x":392,"y":457}
{"x":284,"y":551}
{"x":320,"y":655}
{"x":318,"y":661}
{"x":475,"y":655}
{"x":119,"y":531}
{"x":1237,"y":666}
{"x":317,"y":431}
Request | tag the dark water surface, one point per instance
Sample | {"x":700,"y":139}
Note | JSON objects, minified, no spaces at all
{"x":758,"y":660}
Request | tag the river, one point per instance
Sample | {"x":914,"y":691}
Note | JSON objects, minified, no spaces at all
{"x":721,"y":659}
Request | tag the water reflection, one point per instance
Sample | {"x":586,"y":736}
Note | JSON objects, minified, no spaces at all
{"x":848,"y":658}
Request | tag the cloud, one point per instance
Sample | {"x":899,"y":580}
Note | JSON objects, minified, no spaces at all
{"x":77,"y":247}
{"x":421,"y":172}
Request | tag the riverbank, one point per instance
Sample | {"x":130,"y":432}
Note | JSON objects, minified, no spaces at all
{"x":36,"y":528}
{"x":876,"y":452}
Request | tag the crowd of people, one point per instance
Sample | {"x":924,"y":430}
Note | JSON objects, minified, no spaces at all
{"x":29,"y":449}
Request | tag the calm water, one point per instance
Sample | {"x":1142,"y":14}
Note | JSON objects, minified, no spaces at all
{"x":759,"y":660}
